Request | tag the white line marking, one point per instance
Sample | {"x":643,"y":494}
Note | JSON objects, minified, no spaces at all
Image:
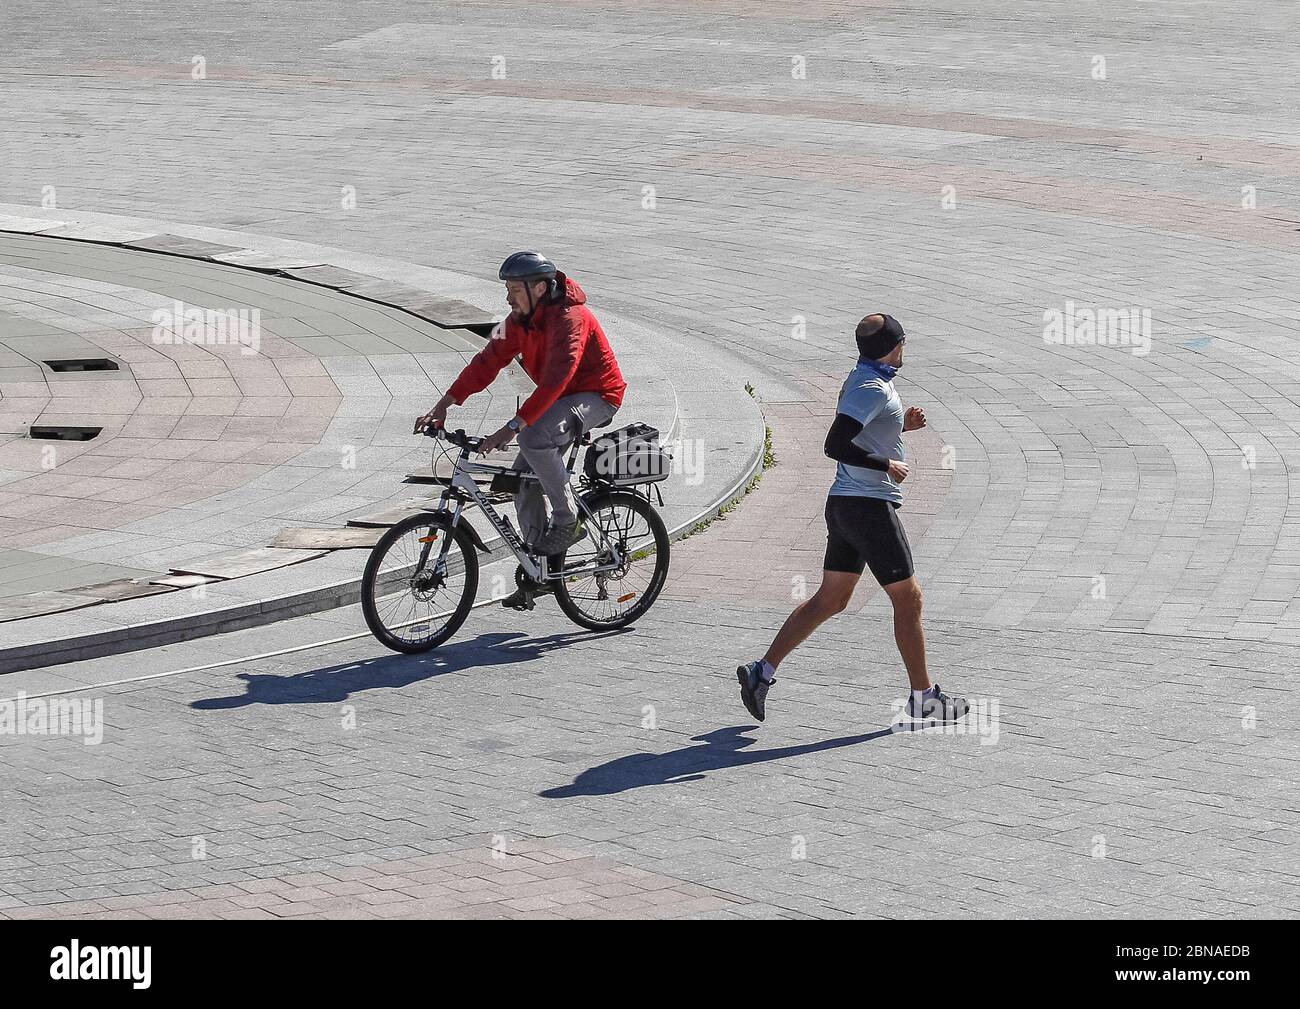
{"x":228,"y":662}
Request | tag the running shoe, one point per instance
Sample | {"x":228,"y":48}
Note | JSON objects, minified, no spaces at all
{"x":937,"y":709}
{"x":753,"y":688}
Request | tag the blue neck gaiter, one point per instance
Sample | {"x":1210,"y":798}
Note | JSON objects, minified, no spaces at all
{"x":885,"y":371}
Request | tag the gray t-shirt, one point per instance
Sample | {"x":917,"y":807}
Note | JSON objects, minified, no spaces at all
{"x":873,"y":403}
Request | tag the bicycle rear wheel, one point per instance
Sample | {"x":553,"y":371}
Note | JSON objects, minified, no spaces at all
{"x":412,"y":606}
{"x":605,"y":600}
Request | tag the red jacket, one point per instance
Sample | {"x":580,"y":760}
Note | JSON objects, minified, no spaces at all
{"x":562,"y":348}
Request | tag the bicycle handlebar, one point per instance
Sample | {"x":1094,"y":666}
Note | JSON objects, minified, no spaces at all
{"x":458,"y":437}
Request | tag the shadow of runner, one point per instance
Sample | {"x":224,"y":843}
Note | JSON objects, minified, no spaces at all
{"x":332,"y":684}
{"x":721,"y":748}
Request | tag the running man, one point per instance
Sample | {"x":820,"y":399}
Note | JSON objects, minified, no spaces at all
{"x":579,"y":387}
{"x":863,"y":531}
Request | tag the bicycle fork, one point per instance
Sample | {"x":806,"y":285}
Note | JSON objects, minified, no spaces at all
{"x":424,"y":576}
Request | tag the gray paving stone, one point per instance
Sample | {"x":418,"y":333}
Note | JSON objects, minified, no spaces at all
{"x":1070,"y":462}
{"x":122,"y":589}
{"x":326,"y":539}
{"x":184,"y":581}
{"x":35,"y":604}
{"x":181,"y":246}
{"x":239,"y":563}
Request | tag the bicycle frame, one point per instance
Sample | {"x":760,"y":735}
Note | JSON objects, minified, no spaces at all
{"x":535,"y":567}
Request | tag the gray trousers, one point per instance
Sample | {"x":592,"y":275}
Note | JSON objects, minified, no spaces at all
{"x":541,"y":449}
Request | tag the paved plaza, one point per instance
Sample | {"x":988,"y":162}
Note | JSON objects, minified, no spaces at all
{"x":1106,"y":532}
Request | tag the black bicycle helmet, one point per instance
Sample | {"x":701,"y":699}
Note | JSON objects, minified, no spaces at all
{"x":527,"y":266}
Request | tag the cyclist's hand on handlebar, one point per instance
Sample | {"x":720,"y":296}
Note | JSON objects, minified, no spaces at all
{"x":430,"y":422}
{"x":499,"y":439}
{"x":434,"y":419}
{"x":898,"y":470}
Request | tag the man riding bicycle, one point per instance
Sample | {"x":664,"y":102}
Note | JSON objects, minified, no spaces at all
{"x":579,"y":387}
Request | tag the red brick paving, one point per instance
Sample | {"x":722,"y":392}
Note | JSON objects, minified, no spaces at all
{"x":534,"y":879}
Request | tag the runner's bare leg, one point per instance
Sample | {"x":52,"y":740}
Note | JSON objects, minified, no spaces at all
{"x":908,"y":633}
{"x":830,"y":598}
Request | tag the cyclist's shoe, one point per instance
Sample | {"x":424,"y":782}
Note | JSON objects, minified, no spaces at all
{"x":520,"y":599}
{"x":524,"y":597}
{"x":937,"y":709}
{"x":557,"y":539}
{"x":753,"y":688}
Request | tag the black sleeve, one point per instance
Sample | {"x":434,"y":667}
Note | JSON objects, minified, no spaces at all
{"x":840,"y":447}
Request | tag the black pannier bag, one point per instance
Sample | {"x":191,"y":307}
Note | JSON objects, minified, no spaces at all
{"x":629,"y":456}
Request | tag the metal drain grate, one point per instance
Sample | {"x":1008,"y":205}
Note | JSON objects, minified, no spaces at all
{"x":56,"y":432}
{"x":83,"y":364}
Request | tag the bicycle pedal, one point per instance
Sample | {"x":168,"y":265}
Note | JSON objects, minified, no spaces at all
{"x":522,"y":607}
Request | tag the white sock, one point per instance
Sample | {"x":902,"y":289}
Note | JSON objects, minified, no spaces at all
{"x":767,"y":672}
{"x":919,"y":697}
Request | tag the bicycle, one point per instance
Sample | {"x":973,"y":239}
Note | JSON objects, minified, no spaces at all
{"x":600,"y":583}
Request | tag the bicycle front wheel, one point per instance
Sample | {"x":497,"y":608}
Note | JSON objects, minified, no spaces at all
{"x":603,"y":600}
{"x":411,"y":601}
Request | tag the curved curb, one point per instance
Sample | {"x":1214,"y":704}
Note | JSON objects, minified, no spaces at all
{"x":336,"y":594}
{"x":294,"y":604}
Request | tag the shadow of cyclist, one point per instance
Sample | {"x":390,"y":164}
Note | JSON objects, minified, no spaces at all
{"x":721,"y":748}
{"x":333,"y":684}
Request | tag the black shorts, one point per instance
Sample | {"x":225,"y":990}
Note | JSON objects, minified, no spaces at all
{"x":865,"y":532}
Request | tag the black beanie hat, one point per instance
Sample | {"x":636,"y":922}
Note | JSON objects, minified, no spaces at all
{"x":874,"y":346}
